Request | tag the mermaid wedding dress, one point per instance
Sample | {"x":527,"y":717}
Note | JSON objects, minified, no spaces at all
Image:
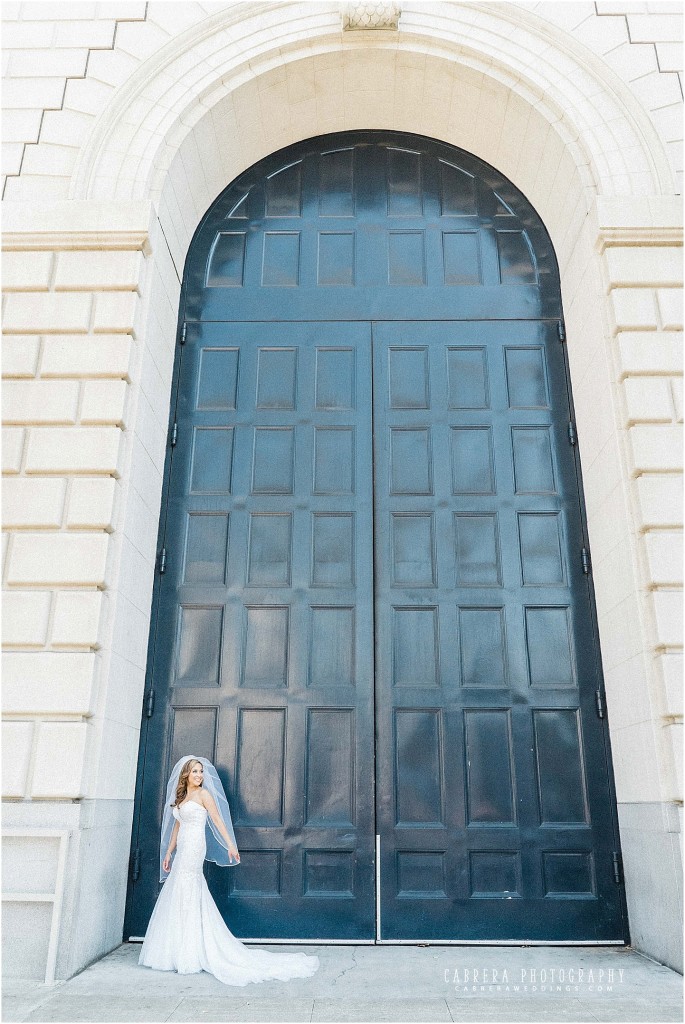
{"x":187,"y":933}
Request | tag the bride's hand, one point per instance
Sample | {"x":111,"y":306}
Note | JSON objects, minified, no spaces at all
{"x":166,"y":862}
{"x":234,"y":853}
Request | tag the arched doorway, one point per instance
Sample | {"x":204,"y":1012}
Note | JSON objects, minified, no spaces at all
{"x":373,"y":611}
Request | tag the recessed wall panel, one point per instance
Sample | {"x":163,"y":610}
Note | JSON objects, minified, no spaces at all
{"x":199,"y":646}
{"x":473,"y":468}
{"x":217,"y":383}
{"x":329,"y":787}
{"x":495,"y":873}
{"x":335,"y":378}
{"x":193,"y":729}
{"x":420,"y":875}
{"x":333,"y":460}
{"x":548,"y":640}
{"x":273,"y":457}
{"x":526,"y":378}
{"x":332,"y":549}
{"x":276,"y":378}
{"x":482,"y":646}
{"x":411,"y":470}
{"x":560,"y":774}
{"x":477,"y":550}
{"x":489,"y":768}
{"x":418,"y":767}
{"x":211,"y":460}
{"x":329,"y":873}
{"x":413,"y":556}
{"x":415,"y":646}
{"x":541,"y":544}
{"x":281,"y":260}
{"x":332,"y":642}
{"x":533,"y":465}
{"x":408,"y":378}
{"x":335,"y":264}
{"x":265,"y":647}
{"x":269,"y":549}
{"x":467,"y":377}
{"x":260,"y":755}
{"x":461,"y":258}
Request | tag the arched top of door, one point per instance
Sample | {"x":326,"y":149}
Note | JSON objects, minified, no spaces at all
{"x":371,"y":225}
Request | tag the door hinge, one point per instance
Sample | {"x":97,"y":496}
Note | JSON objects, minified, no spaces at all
{"x":136,"y":864}
{"x":572,"y":435}
{"x":618,"y":867}
{"x":561,"y":330}
{"x":150,"y":704}
{"x":162,"y":562}
{"x":174,"y":435}
{"x":184,"y":333}
{"x":585,"y":559}
{"x":599,"y":703}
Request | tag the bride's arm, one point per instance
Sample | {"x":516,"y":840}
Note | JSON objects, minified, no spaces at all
{"x":172,"y":845}
{"x":210,"y":804}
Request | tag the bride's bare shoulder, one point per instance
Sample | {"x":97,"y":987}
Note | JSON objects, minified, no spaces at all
{"x":206,"y":799}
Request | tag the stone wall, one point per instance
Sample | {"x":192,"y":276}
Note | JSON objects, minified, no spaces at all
{"x":123,"y":122}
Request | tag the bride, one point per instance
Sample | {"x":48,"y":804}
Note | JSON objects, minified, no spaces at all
{"x":186,"y":932}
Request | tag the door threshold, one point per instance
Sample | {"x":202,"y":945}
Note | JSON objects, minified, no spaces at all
{"x":429,"y":942}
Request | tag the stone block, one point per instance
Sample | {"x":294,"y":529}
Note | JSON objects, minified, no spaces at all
{"x":47,"y":313}
{"x":39,"y":401}
{"x":634,"y":308}
{"x":661,"y":499}
{"x":12,"y":449}
{"x":656,"y":447}
{"x":655,"y":28}
{"x":97,"y":35}
{"x":17,"y":738}
{"x":115,"y":311}
{"x":648,"y":399}
{"x":91,"y":503}
{"x":12,"y":154}
{"x":670,"y":56}
{"x":98,"y":271}
{"x":73,"y":450}
{"x":668,"y":609}
{"x":672,"y":671}
{"x":47,"y":10}
{"x":649,"y":352}
{"x":101,"y":356}
{"x":670,"y":302}
{"x":76,"y":618}
{"x":644,"y":266}
{"x":68,"y":63}
{"x":59,"y":760}
{"x":664,"y":549}
{"x":48,"y":682}
{"x":33,"y":93}
{"x":23,"y":35}
{"x":58,"y":559}
{"x":20,"y":125}
{"x":49,"y":159}
{"x":26,"y":271}
{"x":33,"y":502}
{"x":20,"y":355}
{"x":25,"y":617}
{"x":104,"y":401}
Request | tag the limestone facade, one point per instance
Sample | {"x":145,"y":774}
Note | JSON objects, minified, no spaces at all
{"x":123,"y":122}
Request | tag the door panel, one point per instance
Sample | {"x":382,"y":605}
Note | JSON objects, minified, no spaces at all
{"x":264,"y":659}
{"x":492,"y":787}
{"x":379,"y":564}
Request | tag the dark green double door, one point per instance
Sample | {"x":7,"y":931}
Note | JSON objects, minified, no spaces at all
{"x":374,"y":619}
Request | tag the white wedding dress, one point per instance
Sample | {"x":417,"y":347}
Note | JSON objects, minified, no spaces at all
{"x":187,"y":933}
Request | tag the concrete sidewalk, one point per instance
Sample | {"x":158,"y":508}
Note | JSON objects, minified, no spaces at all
{"x":374,"y":983}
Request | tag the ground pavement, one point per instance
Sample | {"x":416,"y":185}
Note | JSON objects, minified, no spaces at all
{"x":374,"y":983}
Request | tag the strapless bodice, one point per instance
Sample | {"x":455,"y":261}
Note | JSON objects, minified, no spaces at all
{"x":191,"y":813}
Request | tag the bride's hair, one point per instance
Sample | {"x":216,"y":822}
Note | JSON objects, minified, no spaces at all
{"x":182,"y":788}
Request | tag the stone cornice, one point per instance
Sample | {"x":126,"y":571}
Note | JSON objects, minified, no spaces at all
{"x":76,"y":224}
